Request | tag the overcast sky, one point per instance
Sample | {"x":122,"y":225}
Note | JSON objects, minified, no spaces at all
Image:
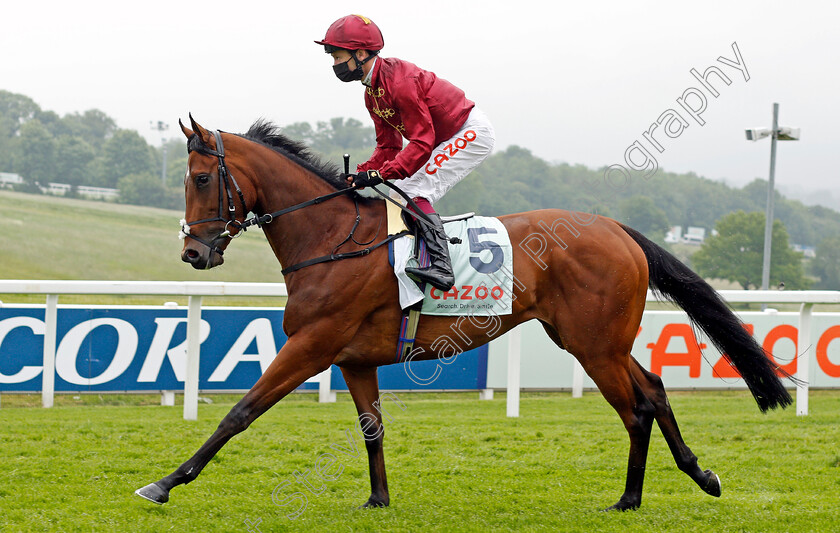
{"x":573,"y":82}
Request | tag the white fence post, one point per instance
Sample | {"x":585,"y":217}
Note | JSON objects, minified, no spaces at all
{"x":513,"y":370}
{"x":325,"y":395}
{"x":167,"y":398}
{"x":577,"y":380}
{"x":48,"y":373}
{"x":193,"y":355}
{"x":803,"y":365}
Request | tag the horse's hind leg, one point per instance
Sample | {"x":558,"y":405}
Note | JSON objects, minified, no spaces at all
{"x":625,"y":395}
{"x":610,"y":373}
{"x":364,"y":388}
{"x":685,"y":459}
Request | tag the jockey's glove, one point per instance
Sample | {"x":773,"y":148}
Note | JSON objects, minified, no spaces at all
{"x":367,"y":178}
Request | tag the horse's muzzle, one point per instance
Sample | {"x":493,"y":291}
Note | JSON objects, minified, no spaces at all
{"x":200,"y":256}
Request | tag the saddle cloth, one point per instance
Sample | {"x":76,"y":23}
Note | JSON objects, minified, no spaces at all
{"x":483,"y":265}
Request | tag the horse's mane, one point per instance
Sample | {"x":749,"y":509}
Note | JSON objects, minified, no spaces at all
{"x":268,"y":134}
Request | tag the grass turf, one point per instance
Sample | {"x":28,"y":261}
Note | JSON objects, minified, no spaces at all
{"x":454,"y":462}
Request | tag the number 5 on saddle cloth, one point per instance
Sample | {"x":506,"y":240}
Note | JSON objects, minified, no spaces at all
{"x":483,"y":266}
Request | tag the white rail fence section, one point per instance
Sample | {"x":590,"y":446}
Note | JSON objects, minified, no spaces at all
{"x":806,"y":299}
{"x":196,"y":290}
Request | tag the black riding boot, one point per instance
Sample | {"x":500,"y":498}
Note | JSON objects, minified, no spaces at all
{"x":439,"y":272}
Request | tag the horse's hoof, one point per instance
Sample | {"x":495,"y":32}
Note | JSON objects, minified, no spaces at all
{"x":153,"y":493}
{"x":621,"y":505}
{"x":713,"y":486}
{"x":373,"y":503}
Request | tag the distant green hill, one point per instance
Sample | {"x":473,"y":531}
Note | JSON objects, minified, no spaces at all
{"x":513,"y":180}
{"x":46,"y":237}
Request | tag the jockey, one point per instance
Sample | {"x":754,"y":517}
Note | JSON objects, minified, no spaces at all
{"x":447,"y":135}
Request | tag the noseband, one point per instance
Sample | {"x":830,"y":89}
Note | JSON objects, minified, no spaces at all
{"x":226,"y":180}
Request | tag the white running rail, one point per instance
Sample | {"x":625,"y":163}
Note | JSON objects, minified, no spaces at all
{"x":806,"y":299}
{"x":195,"y":290}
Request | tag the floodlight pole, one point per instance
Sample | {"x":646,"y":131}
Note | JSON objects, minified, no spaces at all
{"x":161,"y":126}
{"x":771,"y":196}
{"x":163,"y":168}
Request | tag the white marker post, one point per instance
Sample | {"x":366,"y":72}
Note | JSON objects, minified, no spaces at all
{"x":193,"y":355}
{"x":513,"y":371}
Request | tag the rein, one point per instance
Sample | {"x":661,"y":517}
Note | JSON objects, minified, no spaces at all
{"x":260,"y":220}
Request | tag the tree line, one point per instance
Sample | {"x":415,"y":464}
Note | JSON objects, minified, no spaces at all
{"x":84,"y":149}
{"x":89,"y":149}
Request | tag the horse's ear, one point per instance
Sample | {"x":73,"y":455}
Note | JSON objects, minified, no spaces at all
{"x":187,"y":132}
{"x":202,"y":133}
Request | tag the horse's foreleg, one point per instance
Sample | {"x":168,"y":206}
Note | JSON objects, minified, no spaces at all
{"x":364,"y":387}
{"x":685,"y":459}
{"x":292,"y":366}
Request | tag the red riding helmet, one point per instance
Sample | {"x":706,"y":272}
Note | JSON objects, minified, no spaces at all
{"x":354,"y":32}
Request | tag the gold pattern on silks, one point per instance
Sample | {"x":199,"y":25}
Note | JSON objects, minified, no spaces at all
{"x":384,"y":113}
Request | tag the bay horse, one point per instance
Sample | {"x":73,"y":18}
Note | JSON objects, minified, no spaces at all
{"x":586,"y":287}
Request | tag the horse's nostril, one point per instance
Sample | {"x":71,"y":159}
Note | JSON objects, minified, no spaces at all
{"x":190,"y":256}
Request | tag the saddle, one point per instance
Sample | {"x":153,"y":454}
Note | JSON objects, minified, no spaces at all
{"x":397,"y":219}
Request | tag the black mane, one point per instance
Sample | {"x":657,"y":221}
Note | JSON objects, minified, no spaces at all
{"x":268,"y":134}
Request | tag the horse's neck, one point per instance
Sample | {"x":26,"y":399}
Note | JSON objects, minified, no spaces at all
{"x":304,"y":233}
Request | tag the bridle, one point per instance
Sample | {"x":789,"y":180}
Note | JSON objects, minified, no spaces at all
{"x":227,"y":184}
{"x":226,"y":179}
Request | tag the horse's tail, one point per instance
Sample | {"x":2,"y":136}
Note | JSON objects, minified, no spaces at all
{"x":670,"y":278}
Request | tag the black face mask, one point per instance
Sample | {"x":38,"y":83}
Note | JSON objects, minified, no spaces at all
{"x":343,"y":72}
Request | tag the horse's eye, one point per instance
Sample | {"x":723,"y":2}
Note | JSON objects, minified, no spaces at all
{"x":202,"y":179}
